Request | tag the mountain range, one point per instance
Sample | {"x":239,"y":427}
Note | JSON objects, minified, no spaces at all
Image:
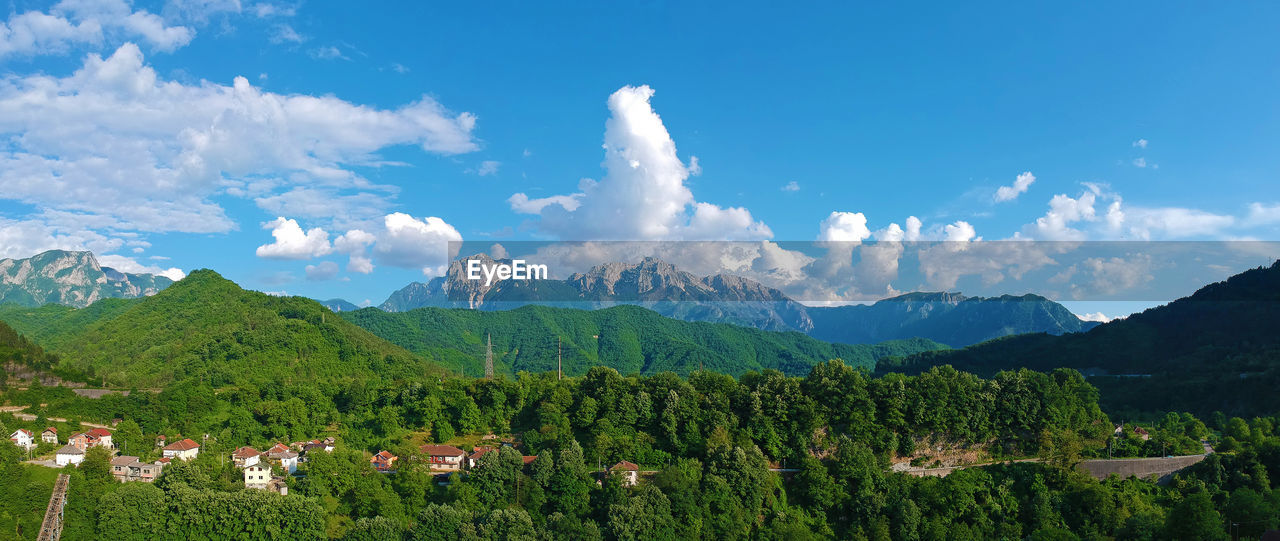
{"x":75,"y":279}
{"x":208,"y":328}
{"x":949,"y":318}
{"x":70,"y":278}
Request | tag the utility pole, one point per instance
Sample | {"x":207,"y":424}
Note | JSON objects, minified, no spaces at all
{"x":488,"y":357}
{"x":559,"y":371}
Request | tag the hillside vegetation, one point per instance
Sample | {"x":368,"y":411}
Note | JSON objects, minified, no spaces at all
{"x":1216,"y":350}
{"x":207,"y":327}
{"x":629,"y":339}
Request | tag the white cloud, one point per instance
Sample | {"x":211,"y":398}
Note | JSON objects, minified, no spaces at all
{"x":522,"y":204}
{"x":424,"y":244}
{"x":960,"y":231}
{"x":292,"y":242}
{"x":1063,"y":212}
{"x":325,"y":270}
{"x":73,"y":23}
{"x":643,"y":195}
{"x":328,"y":52}
{"x":114,"y":141}
{"x":792,"y":186}
{"x":1020,"y":185}
{"x":1140,"y":143}
{"x":285,"y":33}
{"x":264,"y":10}
{"x":1140,"y":162}
{"x":1173,"y":222}
{"x":126,"y":264}
{"x":1095,"y":316}
{"x":488,"y":167}
{"x":844,"y":227}
{"x":1260,"y":214}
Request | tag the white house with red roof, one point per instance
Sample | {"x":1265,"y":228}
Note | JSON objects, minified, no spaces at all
{"x":245,"y":457}
{"x":444,"y":457}
{"x":185,"y":449}
{"x":50,"y":435}
{"x":23,"y":438}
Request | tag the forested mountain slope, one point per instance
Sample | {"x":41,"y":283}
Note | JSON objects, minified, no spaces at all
{"x":1218,"y":349}
{"x":628,"y":338}
{"x":207,"y":327}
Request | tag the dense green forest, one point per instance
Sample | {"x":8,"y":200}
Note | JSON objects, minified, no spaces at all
{"x":709,"y":440}
{"x":1216,"y":350}
{"x":809,"y":453}
{"x":628,"y":338}
{"x":207,"y":327}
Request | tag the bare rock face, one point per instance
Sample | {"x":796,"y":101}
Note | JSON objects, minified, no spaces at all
{"x":70,"y":278}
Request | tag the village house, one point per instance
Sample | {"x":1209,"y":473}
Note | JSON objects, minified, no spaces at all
{"x":245,"y":457}
{"x":317,"y":445}
{"x":258,"y":477}
{"x":384,"y":461}
{"x":50,"y":435}
{"x":474,"y":457}
{"x":281,"y":455}
{"x":1141,"y":433}
{"x":185,"y":449}
{"x":527,"y":459}
{"x":444,"y":457}
{"x":161,"y":441}
{"x":101,"y":437}
{"x":98,"y":437}
{"x":628,"y":471}
{"x":23,"y":438}
{"x":69,"y":454}
{"x":130,"y":468}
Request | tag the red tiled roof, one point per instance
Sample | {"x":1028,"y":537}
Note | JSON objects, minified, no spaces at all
{"x":245,"y":452}
{"x":442,"y":450}
{"x":527,"y":458}
{"x":51,"y":429}
{"x":624,"y":465}
{"x":100,"y":432}
{"x":479,"y":452}
{"x":24,"y":431}
{"x":184,"y":445}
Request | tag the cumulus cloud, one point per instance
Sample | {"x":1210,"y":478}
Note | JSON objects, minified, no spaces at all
{"x":73,"y":23}
{"x":1020,"y":186}
{"x":1064,"y":211}
{"x":1140,"y":162}
{"x":844,"y":227}
{"x":960,"y":231}
{"x":1140,"y":143}
{"x":792,"y":186}
{"x":410,"y":242}
{"x":117,"y":145}
{"x":642,"y":195}
{"x":292,"y":242}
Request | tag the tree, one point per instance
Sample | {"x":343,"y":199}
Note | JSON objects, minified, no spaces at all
{"x":135,"y":511}
{"x":1194,"y":518}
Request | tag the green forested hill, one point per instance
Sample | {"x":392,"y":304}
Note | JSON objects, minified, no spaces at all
{"x":207,"y":327}
{"x":1216,"y":350}
{"x":628,"y":338}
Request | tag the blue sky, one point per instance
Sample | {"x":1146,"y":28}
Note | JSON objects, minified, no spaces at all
{"x":127,"y":133}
